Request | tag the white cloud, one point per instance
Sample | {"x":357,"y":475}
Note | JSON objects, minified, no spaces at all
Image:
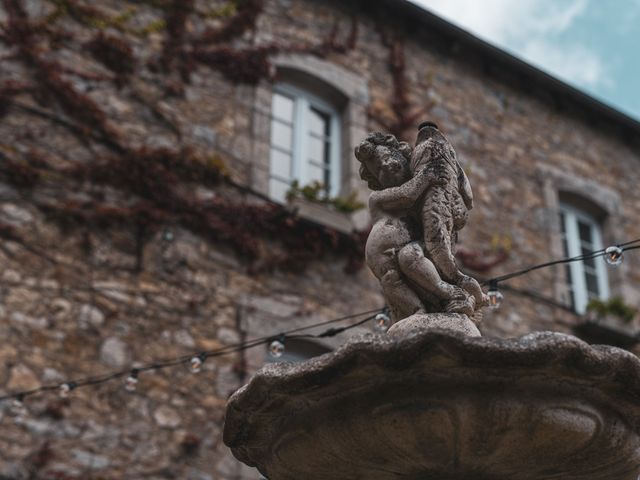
{"x":574,"y":64}
{"x":506,"y":20}
{"x":530,"y":30}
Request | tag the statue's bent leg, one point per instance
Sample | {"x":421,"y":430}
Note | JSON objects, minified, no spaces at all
{"x":401,"y":300}
{"x":445,"y":262}
{"x":421,"y":270}
{"x":440,"y":252}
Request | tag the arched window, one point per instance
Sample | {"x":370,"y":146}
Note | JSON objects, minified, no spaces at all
{"x":305,"y":128}
{"x":305,"y":142}
{"x":581,"y":234}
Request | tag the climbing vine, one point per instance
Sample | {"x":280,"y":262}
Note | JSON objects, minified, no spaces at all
{"x":113,"y":52}
{"x":152,"y":180}
{"x":403,"y":115}
{"x":315,"y":192}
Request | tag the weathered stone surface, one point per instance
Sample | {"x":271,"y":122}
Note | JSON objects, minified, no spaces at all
{"x":15,"y":214}
{"x":90,"y":460}
{"x":226,"y":381}
{"x":91,"y":315}
{"x":444,"y":406}
{"x":420,"y":201}
{"x":167,"y":417}
{"x":228,"y":336}
{"x":184,"y":338}
{"x":114,"y":352}
{"x":22,"y":377}
{"x":444,"y":321}
{"x":514,"y":147}
{"x":35,"y":322}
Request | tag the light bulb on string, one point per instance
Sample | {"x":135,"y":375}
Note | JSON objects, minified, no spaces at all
{"x":131,"y":383}
{"x":495,"y":296}
{"x":195,"y":364}
{"x":613,"y":255}
{"x":18,"y":409}
{"x":383,"y":321}
{"x":276,"y":347}
{"x":65,"y":389}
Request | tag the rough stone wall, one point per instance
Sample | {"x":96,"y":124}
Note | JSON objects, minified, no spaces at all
{"x":519,"y":145}
{"x":84,"y":294}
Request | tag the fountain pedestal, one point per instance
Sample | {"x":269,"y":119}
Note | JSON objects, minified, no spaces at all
{"x":437,"y":404}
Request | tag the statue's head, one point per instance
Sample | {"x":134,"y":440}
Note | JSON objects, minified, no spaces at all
{"x":427,"y":130}
{"x":385,"y":161}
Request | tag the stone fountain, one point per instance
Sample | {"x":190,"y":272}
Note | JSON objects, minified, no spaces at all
{"x":432,"y":399}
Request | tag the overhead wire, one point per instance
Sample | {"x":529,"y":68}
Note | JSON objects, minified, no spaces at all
{"x":586,"y":256}
{"x":184,"y":359}
{"x":289,"y":334}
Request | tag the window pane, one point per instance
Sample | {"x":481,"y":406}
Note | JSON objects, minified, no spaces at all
{"x":592,"y":284}
{"x":563,"y":234}
{"x":567,"y":271}
{"x":588,"y":262}
{"x":317,"y":150}
{"x":318,"y":123}
{"x":282,"y":107}
{"x":317,"y":173}
{"x":281,"y":164}
{"x":585,"y":232}
{"x":281,"y":135}
{"x":565,"y":246}
{"x":278,"y":189}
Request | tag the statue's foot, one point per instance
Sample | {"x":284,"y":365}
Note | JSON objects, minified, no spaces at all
{"x":465,"y":305}
{"x":453,"y":292}
{"x":472,"y":287}
{"x":485,"y":300}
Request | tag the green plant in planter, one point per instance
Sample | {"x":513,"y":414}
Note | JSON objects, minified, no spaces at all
{"x":614,"y":306}
{"x":315,"y":192}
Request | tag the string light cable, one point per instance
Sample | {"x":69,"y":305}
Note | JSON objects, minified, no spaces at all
{"x":194,"y":360}
{"x":613,"y":255}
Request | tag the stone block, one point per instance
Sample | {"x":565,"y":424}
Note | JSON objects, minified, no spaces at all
{"x":114,"y":352}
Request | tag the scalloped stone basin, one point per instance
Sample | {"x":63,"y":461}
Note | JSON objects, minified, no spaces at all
{"x":437,"y":405}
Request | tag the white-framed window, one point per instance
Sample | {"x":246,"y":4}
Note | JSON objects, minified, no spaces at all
{"x":581,"y":234}
{"x":305,"y":142}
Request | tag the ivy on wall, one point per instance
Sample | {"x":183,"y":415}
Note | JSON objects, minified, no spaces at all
{"x":315,"y":192}
{"x":403,"y":115}
{"x":153,"y":176}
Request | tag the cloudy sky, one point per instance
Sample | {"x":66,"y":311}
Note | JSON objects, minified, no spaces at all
{"x":591,"y":44}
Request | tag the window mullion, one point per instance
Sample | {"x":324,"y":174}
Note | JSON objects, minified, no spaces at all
{"x":301,"y":130}
{"x":334,"y":155}
{"x":601,"y":270}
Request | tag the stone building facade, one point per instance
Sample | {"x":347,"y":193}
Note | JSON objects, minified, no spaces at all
{"x":141,"y":216}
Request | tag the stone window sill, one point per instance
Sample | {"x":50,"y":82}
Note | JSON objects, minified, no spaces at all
{"x":613,"y":322}
{"x":323,"y":214}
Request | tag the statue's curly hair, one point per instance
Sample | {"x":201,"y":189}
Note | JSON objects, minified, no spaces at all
{"x":367,"y":148}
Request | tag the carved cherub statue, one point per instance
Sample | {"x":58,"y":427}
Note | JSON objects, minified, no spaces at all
{"x":419,"y":202}
{"x":445,"y":206}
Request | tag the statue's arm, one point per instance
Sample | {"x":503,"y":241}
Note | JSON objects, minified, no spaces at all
{"x":405,"y":195}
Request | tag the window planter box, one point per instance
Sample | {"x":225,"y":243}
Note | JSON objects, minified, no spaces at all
{"x":323,"y":214}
